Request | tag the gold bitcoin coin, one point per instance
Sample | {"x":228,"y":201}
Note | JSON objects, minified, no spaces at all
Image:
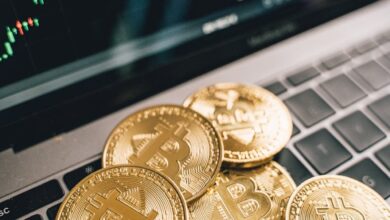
{"x":254,"y":124}
{"x":260,"y":193}
{"x":124,"y":192}
{"x":336,"y":198}
{"x":171,"y":139}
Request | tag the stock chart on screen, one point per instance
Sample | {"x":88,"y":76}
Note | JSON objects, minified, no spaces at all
{"x":32,"y":38}
{"x":37,"y":36}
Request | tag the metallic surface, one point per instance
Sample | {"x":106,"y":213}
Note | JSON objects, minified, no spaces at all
{"x":124,"y":192}
{"x":260,"y":193}
{"x":254,"y":123}
{"x":336,"y":197}
{"x":170,"y":139}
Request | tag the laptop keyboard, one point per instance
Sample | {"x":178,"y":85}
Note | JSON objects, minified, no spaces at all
{"x":384,"y":156}
{"x":335,"y":60}
{"x":374,"y":74}
{"x":322,"y":140}
{"x":343,"y":90}
{"x":303,"y":76}
{"x":52,"y":211}
{"x":309,"y":107}
{"x":34,"y":217}
{"x":31,"y":200}
{"x":295,"y":167}
{"x":73,"y":177}
{"x":332,"y":141}
{"x":359,"y":131}
{"x":381,"y":109}
{"x":323,"y":151}
{"x":369,"y":173}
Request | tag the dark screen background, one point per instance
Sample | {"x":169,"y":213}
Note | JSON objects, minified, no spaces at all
{"x":66,"y":30}
{"x":57,"y":33}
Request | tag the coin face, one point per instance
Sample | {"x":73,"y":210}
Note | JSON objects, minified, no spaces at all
{"x":254,"y":124}
{"x":124,"y":192}
{"x":260,"y":193}
{"x":170,"y":139}
{"x":336,"y":197}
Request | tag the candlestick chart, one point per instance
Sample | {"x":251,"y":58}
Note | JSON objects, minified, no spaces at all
{"x":17,"y":30}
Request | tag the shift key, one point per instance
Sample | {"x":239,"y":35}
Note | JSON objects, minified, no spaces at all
{"x":30,"y":200}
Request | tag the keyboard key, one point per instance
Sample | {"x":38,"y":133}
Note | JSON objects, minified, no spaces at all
{"x":31,"y":200}
{"x":374,"y":74}
{"x":343,"y":90}
{"x":309,"y":107}
{"x":323,"y":151}
{"x":73,"y":177}
{"x":295,"y":130}
{"x":34,"y":217}
{"x":384,"y":156}
{"x":381,"y":109}
{"x":382,"y":39}
{"x":52,"y":211}
{"x":296,"y":169}
{"x":365,"y":47}
{"x":277,"y":88}
{"x":359,"y":131}
{"x":335,"y":60}
{"x":385,"y":61}
{"x":353,"y":52}
{"x":387,"y":35}
{"x":303,"y":76}
{"x":367,"y":172}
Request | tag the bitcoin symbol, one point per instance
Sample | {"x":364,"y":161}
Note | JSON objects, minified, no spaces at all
{"x":337,"y":210}
{"x":226,"y":98}
{"x":239,"y":121}
{"x":244,"y":201}
{"x":160,"y":149}
{"x":112,"y":208}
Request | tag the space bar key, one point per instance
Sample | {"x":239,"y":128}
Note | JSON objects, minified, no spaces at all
{"x":30,"y":200}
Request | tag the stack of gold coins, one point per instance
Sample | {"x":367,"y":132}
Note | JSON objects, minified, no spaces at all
{"x":254,"y":126}
{"x":211,"y":159}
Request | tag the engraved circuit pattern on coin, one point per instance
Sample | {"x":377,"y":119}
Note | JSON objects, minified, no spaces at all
{"x":260,"y":193}
{"x":254,"y":124}
{"x":336,"y":198}
{"x":170,"y":139}
{"x":124,"y":192}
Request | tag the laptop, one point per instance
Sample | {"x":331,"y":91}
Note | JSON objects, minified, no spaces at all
{"x":71,"y":70}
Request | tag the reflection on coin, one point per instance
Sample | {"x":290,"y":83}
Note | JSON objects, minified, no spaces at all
{"x":336,"y":197}
{"x":124,"y":192}
{"x":260,"y":193}
{"x":254,"y":124}
{"x":170,"y":139}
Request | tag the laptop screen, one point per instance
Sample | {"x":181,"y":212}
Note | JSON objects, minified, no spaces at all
{"x":42,"y":35}
{"x":58,"y":54}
